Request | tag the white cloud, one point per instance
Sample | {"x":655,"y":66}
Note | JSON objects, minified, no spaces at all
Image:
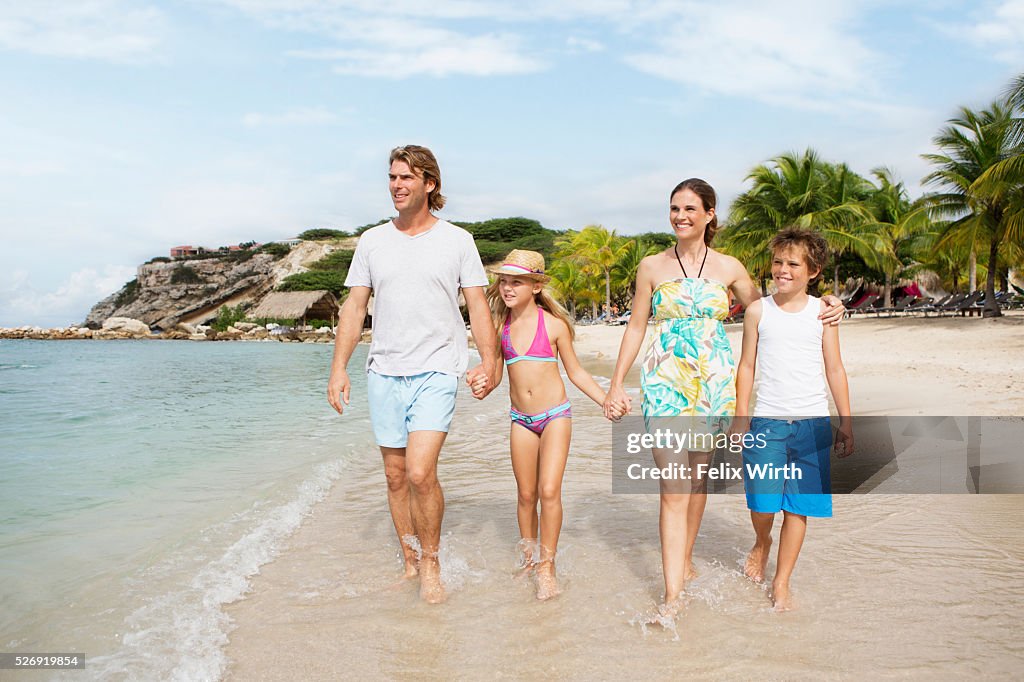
{"x":107,"y":30}
{"x":21,"y":303}
{"x":398,"y":41}
{"x":300,"y":116}
{"x":1001,"y":31}
{"x":773,"y":52}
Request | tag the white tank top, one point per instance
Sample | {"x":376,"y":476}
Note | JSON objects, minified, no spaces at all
{"x":789,"y":362}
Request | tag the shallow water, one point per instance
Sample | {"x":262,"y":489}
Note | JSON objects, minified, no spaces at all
{"x":893,"y":585}
{"x":141,"y":483}
{"x":182,"y":511}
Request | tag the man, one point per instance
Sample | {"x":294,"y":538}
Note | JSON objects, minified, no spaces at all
{"x":415,"y":265}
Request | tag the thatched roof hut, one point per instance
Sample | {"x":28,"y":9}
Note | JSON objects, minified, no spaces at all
{"x":297,"y":305}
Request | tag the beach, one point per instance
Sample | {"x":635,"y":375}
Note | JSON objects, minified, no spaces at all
{"x":894,"y":585}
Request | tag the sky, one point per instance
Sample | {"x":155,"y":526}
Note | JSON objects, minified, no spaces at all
{"x":128,"y":127}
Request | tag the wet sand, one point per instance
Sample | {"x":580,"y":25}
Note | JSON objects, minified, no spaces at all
{"x":894,"y":585}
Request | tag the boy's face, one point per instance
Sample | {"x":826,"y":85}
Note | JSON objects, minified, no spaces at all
{"x":790,"y":269}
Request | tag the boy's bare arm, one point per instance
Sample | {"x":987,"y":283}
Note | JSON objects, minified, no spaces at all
{"x":748,"y":359}
{"x":838,"y":383}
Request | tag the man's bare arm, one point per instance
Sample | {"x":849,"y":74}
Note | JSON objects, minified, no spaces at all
{"x":350,"y":329}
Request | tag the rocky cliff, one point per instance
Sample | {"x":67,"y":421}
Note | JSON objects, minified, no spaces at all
{"x":192,"y":291}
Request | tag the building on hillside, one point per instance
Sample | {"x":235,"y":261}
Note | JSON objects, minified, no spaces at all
{"x":183,"y":251}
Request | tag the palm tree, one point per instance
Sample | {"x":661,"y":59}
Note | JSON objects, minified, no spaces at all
{"x":624,"y":270}
{"x":807,"y":192}
{"x":984,"y":207}
{"x":900,"y":224}
{"x":571,"y":285}
{"x":595,"y":250}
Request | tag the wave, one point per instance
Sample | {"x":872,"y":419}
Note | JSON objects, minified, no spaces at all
{"x":180,"y":635}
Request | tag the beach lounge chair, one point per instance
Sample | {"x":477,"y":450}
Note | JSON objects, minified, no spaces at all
{"x":863,"y":306}
{"x":899,"y":307}
{"x":918,"y":305}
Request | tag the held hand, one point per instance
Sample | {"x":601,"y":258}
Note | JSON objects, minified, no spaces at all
{"x":479,"y":382}
{"x":616,"y":403}
{"x":739,"y":426}
{"x":844,"y":439}
{"x":337,"y":385}
{"x":835,"y":311}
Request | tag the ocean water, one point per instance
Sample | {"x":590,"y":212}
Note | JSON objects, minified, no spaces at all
{"x":143,"y":483}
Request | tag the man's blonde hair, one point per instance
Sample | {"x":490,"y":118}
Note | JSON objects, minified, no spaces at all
{"x":422,"y":160}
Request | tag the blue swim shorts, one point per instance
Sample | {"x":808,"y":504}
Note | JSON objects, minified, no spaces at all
{"x":788,"y":467}
{"x":400,"y":404}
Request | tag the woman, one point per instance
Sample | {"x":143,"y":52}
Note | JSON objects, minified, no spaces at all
{"x":689,"y":369}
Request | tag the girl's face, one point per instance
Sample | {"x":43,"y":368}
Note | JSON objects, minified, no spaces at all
{"x":517,"y":291}
{"x":687,"y":215}
{"x":790,"y":270}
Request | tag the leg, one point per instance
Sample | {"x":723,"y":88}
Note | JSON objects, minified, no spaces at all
{"x":525,"y":446}
{"x":554,"y":452}
{"x":427,"y":507}
{"x":794,"y":527}
{"x":757,"y":560}
{"x":398,"y":503}
{"x":695,"y":511}
{"x":672,"y":528}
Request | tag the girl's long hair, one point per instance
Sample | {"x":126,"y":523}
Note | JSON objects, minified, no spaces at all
{"x":543,"y":298}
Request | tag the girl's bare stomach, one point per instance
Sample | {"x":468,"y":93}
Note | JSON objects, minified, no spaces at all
{"x":535,"y":387}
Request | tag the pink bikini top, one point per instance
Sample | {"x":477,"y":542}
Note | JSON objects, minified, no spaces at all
{"x":540,"y":349}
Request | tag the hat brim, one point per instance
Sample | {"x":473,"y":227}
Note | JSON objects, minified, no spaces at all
{"x":516,"y":272}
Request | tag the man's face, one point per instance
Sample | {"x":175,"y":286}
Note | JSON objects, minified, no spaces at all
{"x":408,"y":190}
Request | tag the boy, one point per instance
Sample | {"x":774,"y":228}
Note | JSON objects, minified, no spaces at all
{"x":786,"y":466}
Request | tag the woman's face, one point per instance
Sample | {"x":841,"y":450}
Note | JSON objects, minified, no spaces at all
{"x":687,"y":215}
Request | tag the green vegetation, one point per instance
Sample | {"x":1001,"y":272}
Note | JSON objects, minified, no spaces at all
{"x":363,"y":228}
{"x":338,"y":260}
{"x":320,"y":234}
{"x":275,"y":249}
{"x":129,"y":292}
{"x":331,"y":280}
{"x":227,"y":316}
{"x":158,"y":259}
{"x":327,"y":273}
{"x":496,"y":237}
{"x":183,"y":274}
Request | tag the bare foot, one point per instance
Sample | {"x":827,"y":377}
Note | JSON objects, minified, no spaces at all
{"x":411,"y":571}
{"x":782,"y":598}
{"x":547,"y":583}
{"x":691,"y":572}
{"x":669,"y":611}
{"x":757,"y":561}
{"x":528,"y":551}
{"x":431,"y":589}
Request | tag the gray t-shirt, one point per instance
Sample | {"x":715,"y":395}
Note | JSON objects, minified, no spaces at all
{"x":417,"y":326}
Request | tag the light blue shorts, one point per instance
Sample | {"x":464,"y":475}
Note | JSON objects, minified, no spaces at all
{"x":797,"y":452}
{"x":400,"y":404}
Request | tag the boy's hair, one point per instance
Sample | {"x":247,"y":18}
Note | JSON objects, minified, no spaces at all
{"x":422,"y":159}
{"x":814,"y":246}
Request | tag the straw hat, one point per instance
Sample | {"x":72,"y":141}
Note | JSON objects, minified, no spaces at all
{"x":526,"y":264}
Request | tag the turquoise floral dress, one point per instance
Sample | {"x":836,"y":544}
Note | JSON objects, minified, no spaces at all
{"x":689,"y":369}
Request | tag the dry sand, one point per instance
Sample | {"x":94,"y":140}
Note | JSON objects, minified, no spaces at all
{"x":900,"y":365}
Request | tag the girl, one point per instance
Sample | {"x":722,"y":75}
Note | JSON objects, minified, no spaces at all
{"x":533,"y":329}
